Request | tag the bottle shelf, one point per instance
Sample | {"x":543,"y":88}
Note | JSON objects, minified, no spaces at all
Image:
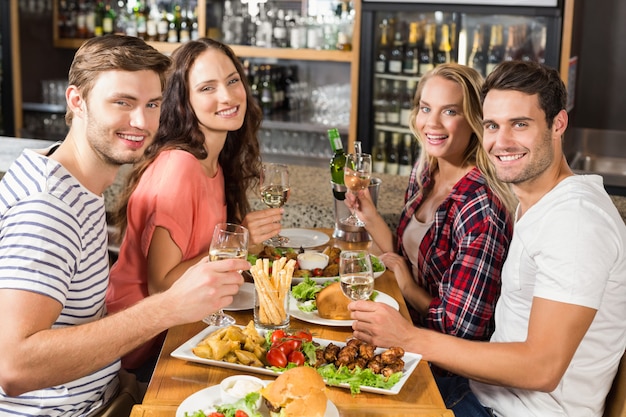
{"x":391,"y":128}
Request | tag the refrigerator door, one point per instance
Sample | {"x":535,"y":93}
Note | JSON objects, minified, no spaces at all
{"x":401,"y":41}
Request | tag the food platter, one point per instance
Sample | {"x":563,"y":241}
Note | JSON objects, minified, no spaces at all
{"x":207,"y":398}
{"x":185,"y":352}
{"x":313,"y":316}
{"x":304,"y":238}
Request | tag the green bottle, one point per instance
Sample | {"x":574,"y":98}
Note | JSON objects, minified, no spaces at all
{"x":337,"y":162}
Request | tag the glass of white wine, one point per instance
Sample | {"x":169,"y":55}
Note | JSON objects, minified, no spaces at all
{"x":356,"y":274}
{"x":274,"y":185}
{"x":356,"y":176}
{"x":229,"y":241}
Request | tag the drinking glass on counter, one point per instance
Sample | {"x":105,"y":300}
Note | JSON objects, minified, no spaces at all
{"x":356,"y":177}
{"x":274,"y":185}
{"x":356,"y":274}
{"x":229,"y":241}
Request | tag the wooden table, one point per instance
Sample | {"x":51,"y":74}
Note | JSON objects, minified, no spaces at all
{"x":174,"y":379}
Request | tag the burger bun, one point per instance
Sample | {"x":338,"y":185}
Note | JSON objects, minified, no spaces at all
{"x":298,"y":392}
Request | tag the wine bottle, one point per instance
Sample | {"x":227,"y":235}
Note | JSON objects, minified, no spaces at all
{"x":406,"y":103}
{"x":405,"y":160}
{"x":443,"y":52}
{"x":495,"y":51}
{"x":393,"y":154}
{"x":478,"y":58}
{"x":379,"y":157}
{"x":509,"y":52}
{"x":397,"y":54}
{"x":393,"y":107}
{"x":426,"y":53}
{"x":337,"y":162}
{"x":410,"y":62}
{"x":382,"y":56}
{"x":381,"y":103}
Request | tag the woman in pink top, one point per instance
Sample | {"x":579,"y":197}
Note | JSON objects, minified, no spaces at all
{"x":196,"y":173}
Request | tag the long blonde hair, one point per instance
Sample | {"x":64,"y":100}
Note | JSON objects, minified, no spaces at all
{"x":471,"y":83}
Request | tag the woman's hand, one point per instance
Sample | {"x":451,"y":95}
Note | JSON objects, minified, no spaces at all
{"x":263,"y":224}
{"x":363,"y":204}
{"x":380,"y":324}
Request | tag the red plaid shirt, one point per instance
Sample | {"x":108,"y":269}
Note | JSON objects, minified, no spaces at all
{"x":461,"y":256}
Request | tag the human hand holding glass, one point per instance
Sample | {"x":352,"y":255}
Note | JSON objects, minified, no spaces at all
{"x":356,"y":275}
{"x":356,"y":176}
{"x":229,"y":241}
{"x":274,"y":185}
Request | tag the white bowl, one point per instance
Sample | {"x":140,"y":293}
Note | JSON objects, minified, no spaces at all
{"x":236,"y":387}
{"x":311,"y":260}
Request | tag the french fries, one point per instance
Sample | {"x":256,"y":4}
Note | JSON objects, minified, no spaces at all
{"x":272,"y":290}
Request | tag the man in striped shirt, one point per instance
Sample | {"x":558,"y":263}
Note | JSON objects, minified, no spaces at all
{"x":60,"y":351}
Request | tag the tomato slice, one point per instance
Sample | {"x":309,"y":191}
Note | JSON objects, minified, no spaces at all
{"x":241,"y":413}
{"x":276,"y":357}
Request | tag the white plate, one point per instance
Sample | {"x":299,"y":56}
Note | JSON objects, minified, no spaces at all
{"x":304,"y":238}
{"x":321,"y":280}
{"x":313,"y":316}
{"x":244,"y":300}
{"x":207,"y":398}
{"x":184,"y":352}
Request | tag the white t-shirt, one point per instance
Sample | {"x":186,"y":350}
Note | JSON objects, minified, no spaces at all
{"x":569,"y":247}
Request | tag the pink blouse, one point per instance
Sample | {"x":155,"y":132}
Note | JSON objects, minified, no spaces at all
{"x":173,"y":193}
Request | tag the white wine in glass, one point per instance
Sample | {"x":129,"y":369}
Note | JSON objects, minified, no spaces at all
{"x":229,"y":241}
{"x":274,"y":186}
{"x":356,"y":275}
{"x":356,"y":176}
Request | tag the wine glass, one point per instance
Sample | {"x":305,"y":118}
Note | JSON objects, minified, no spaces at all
{"x":356,"y":274}
{"x":356,"y":176}
{"x":229,"y":241}
{"x":274,"y":185}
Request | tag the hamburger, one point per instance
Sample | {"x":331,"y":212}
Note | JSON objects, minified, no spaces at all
{"x":299,"y":392}
{"x":332,"y":303}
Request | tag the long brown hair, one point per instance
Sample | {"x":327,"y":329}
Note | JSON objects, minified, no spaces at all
{"x":179,"y":129}
{"x":471,"y":82}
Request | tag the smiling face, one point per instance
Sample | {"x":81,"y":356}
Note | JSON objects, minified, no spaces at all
{"x":121,"y":114}
{"x":217,"y":93}
{"x":517,"y":137}
{"x":444,"y":131}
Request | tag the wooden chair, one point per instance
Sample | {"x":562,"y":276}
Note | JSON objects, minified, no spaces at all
{"x":616,"y":400}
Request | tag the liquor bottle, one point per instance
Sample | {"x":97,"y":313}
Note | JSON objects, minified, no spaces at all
{"x":478,"y":58}
{"x":509,"y":51}
{"x":443,"y":52}
{"x":108,"y":19}
{"x":379,"y":157}
{"x":393,"y":154}
{"x":141,"y":18}
{"x":99,"y":15}
{"x":346,"y":24}
{"x":410,"y":62}
{"x":380,"y":103}
{"x":453,"y":43}
{"x":81,"y":20}
{"x":406,"y":103}
{"x":152,"y":22}
{"x":426,"y":53}
{"x":337,"y":162}
{"x":163,"y":26}
{"x":382,"y":56}
{"x":396,"y":55}
{"x":526,"y":50}
{"x":184,"y":32}
{"x":541,"y":54}
{"x":495,"y":51}
{"x":267,"y":92}
{"x":279,"y":33}
{"x":393,"y":107}
{"x":405,"y":161}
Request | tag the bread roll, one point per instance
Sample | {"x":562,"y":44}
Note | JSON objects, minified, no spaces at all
{"x":332,"y":303}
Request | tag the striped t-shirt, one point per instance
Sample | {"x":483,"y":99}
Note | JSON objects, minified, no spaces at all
{"x":53,"y":241}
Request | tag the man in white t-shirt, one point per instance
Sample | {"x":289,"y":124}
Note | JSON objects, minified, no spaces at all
{"x":561,"y":319}
{"x":59,"y":351}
